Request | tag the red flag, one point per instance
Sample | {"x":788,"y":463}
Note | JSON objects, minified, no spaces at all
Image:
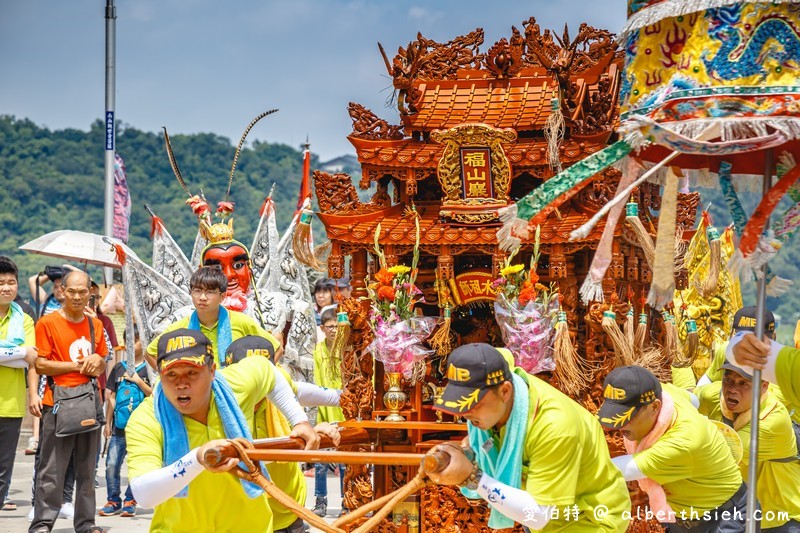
{"x":305,"y":182}
{"x":122,"y":200}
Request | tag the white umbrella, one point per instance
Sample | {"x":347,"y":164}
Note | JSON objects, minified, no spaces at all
{"x":75,"y":245}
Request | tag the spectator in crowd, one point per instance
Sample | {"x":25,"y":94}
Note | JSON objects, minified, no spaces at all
{"x":47,"y":303}
{"x":343,"y":288}
{"x":324,"y":295}
{"x":207,"y":287}
{"x":17,"y":351}
{"x":126,"y":391}
{"x":69,"y":359}
{"x":327,"y":374}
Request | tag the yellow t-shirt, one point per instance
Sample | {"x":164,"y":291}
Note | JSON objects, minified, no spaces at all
{"x":777,"y":488}
{"x":683,"y":378}
{"x":241,"y":326}
{"x":286,"y":475}
{"x":565,"y":463}
{"x":12,"y":380}
{"x":714,"y":372}
{"x":216,"y":502}
{"x":788,"y":369}
{"x":691,"y":461}
{"x":330,"y":380}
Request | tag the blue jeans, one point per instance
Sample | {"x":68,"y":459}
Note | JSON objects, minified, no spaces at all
{"x":114,"y":458}
{"x":321,"y":479}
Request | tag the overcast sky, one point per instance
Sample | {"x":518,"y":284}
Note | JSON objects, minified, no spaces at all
{"x":211,"y":65}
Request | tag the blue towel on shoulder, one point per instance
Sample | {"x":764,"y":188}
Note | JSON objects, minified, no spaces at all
{"x":15,"y":336}
{"x":176,"y":438}
{"x":504,"y":465}
{"x":224,"y":334}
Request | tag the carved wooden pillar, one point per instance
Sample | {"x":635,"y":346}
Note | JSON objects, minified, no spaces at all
{"x":498,"y":261}
{"x":411,"y":184}
{"x":390,"y":254}
{"x":558,"y":262}
{"x":335,"y":261}
{"x":617,"y":268}
{"x":632,"y":266}
{"x":445,"y":263}
{"x":358,"y":272}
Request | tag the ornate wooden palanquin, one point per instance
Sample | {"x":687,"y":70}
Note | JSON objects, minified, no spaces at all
{"x":470,"y":142}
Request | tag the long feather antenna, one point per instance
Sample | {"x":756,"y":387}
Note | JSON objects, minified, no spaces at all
{"x":239,"y":148}
{"x":174,"y":163}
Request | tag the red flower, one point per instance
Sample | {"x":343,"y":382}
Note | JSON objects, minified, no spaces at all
{"x":526,"y":295}
{"x":225,"y":208}
{"x":385,"y":277}
{"x":386,"y":292}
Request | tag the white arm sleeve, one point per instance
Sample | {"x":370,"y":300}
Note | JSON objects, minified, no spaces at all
{"x":627,"y":466}
{"x":695,"y":400}
{"x":704,"y":380}
{"x":13,"y":357}
{"x":310,"y":395}
{"x":158,"y":486}
{"x":769,"y":373}
{"x":516,"y":504}
{"x":283,"y":398}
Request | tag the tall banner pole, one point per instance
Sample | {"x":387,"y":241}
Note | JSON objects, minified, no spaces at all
{"x":111,"y":52}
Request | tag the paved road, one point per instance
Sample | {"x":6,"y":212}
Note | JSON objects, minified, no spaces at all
{"x":17,"y":521}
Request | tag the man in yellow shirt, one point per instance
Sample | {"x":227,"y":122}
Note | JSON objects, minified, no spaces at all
{"x":778,"y":363}
{"x":270,"y":423}
{"x":17,"y":351}
{"x":191,"y":408}
{"x":679,"y":458}
{"x":207,"y":287}
{"x":538,"y":458}
{"x":778,"y":487}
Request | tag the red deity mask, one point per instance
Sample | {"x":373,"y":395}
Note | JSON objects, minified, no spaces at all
{"x":234,"y":261}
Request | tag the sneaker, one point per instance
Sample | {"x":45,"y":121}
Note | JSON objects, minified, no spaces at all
{"x":30,"y":514}
{"x":129,"y":508}
{"x":96,"y":483}
{"x":110,"y":508}
{"x":67,"y":511}
{"x":33,"y":445}
{"x":321,"y":506}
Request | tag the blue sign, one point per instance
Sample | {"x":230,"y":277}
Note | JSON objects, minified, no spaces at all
{"x":109,"y":130}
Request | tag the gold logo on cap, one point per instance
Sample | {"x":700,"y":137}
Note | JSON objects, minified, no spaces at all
{"x":495,"y":377}
{"x":198,"y":360}
{"x":183,"y":341}
{"x":613,"y":393}
{"x":465,"y":402}
{"x":647,"y":397}
{"x":620,"y":419}
{"x":746,"y":322}
{"x":257,"y":351}
{"x":457,"y":374}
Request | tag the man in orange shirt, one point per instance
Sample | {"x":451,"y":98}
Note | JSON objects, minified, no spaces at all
{"x":69,"y":355}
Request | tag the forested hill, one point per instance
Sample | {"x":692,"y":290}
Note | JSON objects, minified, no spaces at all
{"x":54,"y":180}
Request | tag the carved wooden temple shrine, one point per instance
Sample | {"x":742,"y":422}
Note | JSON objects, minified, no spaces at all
{"x":470,"y":141}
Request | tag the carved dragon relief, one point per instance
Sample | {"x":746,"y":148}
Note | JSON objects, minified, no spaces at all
{"x":449,"y":168}
{"x":337,"y":194}
{"x":367,"y":125}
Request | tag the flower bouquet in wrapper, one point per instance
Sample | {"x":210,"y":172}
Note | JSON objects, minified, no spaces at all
{"x":399,"y":332}
{"x":526,"y":312}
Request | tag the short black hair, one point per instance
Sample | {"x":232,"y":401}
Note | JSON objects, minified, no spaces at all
{"x":328,"y":314}
{"x":7,"y":266}
{"x":209,"y":278}
{"x":94,"y":285}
